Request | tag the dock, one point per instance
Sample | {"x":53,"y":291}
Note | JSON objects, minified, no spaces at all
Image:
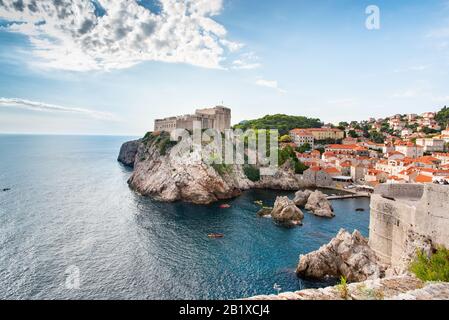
{"x":349,"y":196}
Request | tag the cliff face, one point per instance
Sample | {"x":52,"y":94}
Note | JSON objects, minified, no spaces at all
{"x":128,"y":152}
{"x":160,"y":172}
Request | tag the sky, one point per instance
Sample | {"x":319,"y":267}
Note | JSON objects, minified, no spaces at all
{"x":112,"y":67}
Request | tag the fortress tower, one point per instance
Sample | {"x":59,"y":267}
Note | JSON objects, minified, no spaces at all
{"x":218,"y":118}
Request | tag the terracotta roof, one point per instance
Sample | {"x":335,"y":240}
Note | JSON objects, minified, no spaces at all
{"x":301,"y":132}
{"x":332,"y":170}
{"x":423,"y":179}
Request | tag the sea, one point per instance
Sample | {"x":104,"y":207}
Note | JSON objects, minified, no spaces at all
{"x":71,"y":228}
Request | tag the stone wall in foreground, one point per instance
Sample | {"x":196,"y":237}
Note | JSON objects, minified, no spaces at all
{"x":394,"y":288}
{"x":403,"y":211}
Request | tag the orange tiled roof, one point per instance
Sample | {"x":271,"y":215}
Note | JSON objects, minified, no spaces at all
{"x":423,"y":179}
{"x":332,"y":170}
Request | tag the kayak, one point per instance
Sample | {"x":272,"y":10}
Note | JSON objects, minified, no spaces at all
{"x":225,"y":206}
{"x":215,"y":235}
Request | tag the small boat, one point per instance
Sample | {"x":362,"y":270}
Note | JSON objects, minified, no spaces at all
{"x":225,"y":206}
{"x":6,"y":189}
{"x":215,"y":235}
{"x":259,"y":203}
{"x":360,"y":210}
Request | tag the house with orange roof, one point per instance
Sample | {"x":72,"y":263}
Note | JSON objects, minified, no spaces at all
{"x":427,"y":162}
{"x":332,"y":171}
{"x":409,"y":149}
{"x":348,"y":149}
{"x":373,"y":175}
{"x":395,"y":155}
{"x":443,"y":157}
{"x":302,"y":137}
{"x":395,"y":179}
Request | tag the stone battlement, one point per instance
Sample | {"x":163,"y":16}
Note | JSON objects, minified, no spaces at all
{"x":218,"y":118}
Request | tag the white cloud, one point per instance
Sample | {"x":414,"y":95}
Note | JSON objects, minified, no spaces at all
{"x":270,"y":84}
{"x":247,"y":61}
{"x":71,"y":35}
{"x":243,"y":65}
{"x":45,"y":107}
{"x":414,"y":68}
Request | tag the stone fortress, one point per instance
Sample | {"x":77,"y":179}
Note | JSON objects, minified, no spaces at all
{"x":218,"y":118}
{"x":406,"y":216}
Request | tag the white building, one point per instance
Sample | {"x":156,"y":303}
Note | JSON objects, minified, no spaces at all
{"x":410,"y":150}
{"x":301,"y":137}
{"x":431,"y":144}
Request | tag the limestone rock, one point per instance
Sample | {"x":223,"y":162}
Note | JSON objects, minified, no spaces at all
{"x":286,"y":212}
{"x":392,"y":288}
{"x":162,"y":172}
{"x":171,"y":176}
{"x":346,"y":255}
{"x":284,"y":178}
{"x":319,"y":205}
{"x":301,"y":197}
{"x":264,"y":212}
{"x":128,"y":151}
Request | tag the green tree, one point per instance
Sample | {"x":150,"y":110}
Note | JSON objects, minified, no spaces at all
{"x":443,"y":117}
{"x":285,"y":138}
{"x":353,"y":134}
{"x":304,"y":148}
{"x":283,"y":123}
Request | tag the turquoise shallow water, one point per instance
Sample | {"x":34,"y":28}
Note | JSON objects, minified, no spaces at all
{"x":69,"y":205}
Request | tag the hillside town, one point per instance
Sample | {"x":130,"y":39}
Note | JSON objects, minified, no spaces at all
{"x":407,"y":148}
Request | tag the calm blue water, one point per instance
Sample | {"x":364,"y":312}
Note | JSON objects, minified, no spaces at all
{"x":69,"y":205}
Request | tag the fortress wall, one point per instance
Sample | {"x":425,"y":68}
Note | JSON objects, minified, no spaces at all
{"x":418,"y":208}
{"x":432,"y":216}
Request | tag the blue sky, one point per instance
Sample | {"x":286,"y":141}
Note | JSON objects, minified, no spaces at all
{"x":80,"y":72}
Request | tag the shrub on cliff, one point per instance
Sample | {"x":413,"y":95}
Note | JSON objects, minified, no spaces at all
{"x":161,"y":140}
{"x":252,"y":173}
{"x":434,"y":268}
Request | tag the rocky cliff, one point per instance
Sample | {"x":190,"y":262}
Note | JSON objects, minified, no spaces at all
{"x":164,"y":174}
{"x":346,"y":255}
{"x":128,"y":152}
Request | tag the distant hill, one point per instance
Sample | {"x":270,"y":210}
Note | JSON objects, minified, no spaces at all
{"x":282,"y":122}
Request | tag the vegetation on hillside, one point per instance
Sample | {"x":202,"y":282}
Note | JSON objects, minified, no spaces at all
{"x":288,"y":153}
{"x":443,"y":117}
{"x":435,"y":268}
{"x":160,"y":139}
{"x":282,"y":122}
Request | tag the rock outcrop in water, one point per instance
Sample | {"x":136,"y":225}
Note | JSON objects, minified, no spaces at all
{"x":286,"y":213}
{"x":164,"y":174}
{"x":301,"y":198}
{"x":128,"y":152}
{"x":347,"y":255}
{"x":319,"y":205}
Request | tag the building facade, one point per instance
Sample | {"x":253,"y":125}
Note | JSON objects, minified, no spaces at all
{"x":218,"y":118}
{"x":301,"y":137}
